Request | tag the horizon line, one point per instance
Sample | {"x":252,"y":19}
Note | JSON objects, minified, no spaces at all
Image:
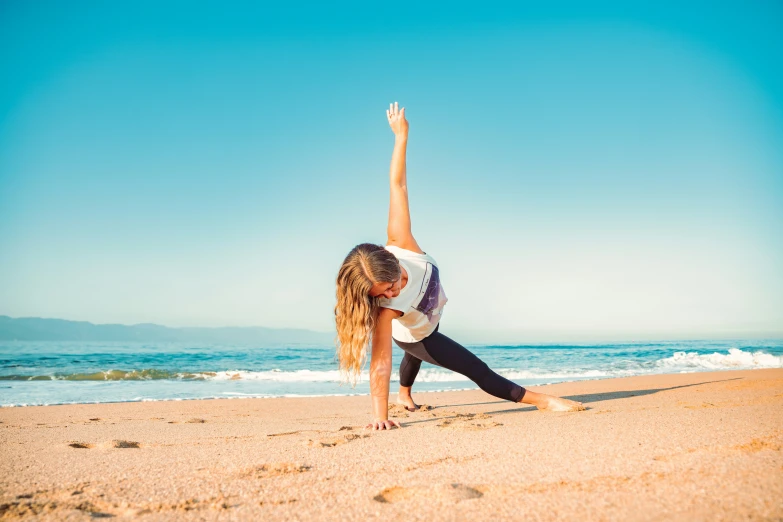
{"x":564,"y":335}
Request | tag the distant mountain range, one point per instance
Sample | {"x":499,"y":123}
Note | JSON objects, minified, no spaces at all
{"x":38,"y":329}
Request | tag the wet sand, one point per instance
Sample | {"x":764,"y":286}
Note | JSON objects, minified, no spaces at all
{"x":701,"y":446}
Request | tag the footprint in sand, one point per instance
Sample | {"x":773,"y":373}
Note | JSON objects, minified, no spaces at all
{"x":446,"y":493}
{"x":756,"y":445}
{"x":124,"y":444}
{"x":469,"y":421}
{"x":276,"y":502}
{"x":53,"y":503}
{"x":332,"y":442}
{"x":274,"y":470}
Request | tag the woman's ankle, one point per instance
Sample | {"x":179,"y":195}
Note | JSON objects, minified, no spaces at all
{"x":535,"y":399}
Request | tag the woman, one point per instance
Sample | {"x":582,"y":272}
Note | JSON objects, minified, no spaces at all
{"x":394,"y":292}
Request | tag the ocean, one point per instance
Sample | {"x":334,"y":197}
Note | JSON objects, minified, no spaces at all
{"x":41,"y":373}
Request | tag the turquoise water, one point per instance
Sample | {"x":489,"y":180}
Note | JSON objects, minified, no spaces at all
{"x":34,"y":373}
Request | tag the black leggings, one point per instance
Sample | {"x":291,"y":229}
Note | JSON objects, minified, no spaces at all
{"x":439,"y":350}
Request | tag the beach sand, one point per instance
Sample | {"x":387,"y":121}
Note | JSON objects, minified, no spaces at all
{"x":699,"y":446}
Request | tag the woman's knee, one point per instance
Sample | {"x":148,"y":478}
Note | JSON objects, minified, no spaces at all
{"x":478,"y":372}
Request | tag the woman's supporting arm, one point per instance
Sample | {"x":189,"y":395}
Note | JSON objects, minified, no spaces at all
{"x":399,"y":228}
{"x":380,"y":371}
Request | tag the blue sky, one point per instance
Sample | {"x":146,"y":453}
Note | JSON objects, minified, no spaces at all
{"x":579,"y":172}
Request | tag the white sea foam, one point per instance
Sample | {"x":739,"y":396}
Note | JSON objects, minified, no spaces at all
{"x":425,"y":375}
{"x":279,"y":376}
{"x":736,"y":359}
{"x":681,"y":361}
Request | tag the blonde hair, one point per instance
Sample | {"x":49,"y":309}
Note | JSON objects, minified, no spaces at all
{"x":356,"y":312}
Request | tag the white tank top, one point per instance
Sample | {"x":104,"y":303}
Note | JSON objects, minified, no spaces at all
{"x":421,"y":300}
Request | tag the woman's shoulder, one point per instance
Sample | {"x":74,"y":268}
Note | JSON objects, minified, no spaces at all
{"x":404,"y":252}
{"x":418,"y":258}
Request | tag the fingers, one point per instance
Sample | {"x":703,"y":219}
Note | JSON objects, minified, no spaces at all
{"x":394,"y":110}
{"x":394,"y":113}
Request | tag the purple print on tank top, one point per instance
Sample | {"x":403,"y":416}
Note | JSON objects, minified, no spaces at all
{"x":434,"y":297}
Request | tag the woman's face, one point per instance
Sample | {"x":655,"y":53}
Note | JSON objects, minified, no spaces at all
{"x":387,"y":290}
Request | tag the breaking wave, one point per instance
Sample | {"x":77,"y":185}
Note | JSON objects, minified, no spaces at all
{"x":735,"y":359}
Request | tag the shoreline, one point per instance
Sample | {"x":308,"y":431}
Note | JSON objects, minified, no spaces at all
{"x":362,"y":394}
{"x":702,"y":445}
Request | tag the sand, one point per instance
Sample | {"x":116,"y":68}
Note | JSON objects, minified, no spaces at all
{"x":700,"y":446}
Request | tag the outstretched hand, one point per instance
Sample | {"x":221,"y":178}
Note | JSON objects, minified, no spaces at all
{"x":397,"y":121}
{"x":383,"y":425}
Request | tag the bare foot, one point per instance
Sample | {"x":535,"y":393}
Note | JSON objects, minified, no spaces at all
{"x":558,"y":404}
{"x":406,"y":401}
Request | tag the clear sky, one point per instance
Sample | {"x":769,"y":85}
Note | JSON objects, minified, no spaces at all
{"x":586,"y":171}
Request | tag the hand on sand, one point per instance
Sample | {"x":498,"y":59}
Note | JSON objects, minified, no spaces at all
{"x":383,"y":425}
{"x":397,"y":121}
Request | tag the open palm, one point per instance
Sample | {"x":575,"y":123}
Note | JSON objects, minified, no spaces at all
{"x":397,"y":121}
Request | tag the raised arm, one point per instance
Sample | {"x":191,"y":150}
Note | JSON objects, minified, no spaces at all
{"x":399,"y":228}
{"x":380,"y":371}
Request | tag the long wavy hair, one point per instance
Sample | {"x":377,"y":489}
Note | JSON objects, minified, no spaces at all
{"x":356,"y":312}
